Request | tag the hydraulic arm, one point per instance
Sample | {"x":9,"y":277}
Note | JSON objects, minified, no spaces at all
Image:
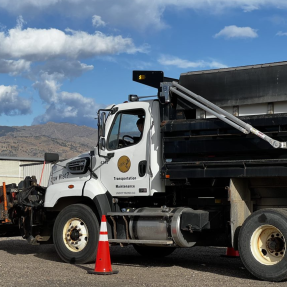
{"x":222,"y":114}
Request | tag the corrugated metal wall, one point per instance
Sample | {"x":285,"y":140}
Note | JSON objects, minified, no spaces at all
{"x":13,"y":171}
{"x":10,"y":171}
{"x":36,"y":169}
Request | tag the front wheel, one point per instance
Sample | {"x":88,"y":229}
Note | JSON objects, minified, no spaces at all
{"x":262,"y":244}
{"x":75,"y":234}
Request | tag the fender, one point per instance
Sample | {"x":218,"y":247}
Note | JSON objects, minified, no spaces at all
{"x":59,"y":190}
{"x":102,"y":199}
{"x":94,"y":189}
{"x":91,"y":189}
{"x":103,"y":203}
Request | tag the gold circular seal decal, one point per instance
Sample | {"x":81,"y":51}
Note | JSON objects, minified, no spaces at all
{"x":124,"y":163}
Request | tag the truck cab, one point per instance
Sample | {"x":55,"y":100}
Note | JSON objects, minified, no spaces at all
{"x":130,"y":159}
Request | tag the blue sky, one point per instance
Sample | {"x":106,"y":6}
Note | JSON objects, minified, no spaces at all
{"x":61,"y":60}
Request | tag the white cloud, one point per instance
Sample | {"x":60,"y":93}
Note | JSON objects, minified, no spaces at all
{"x":249,"y":7}
{"x":50,"y":56}
{"x":48,"y":86}
{"x":20,"y":22}
{"x":63,"y":106}
{"x":280,"y":33}
{"x":139,"y":14}
{"x":2,"y":27}
{"x":43,"y":44}
{"x":72,"y":108}
{"x":97,"y":21}
{"x":11,"y":103}
{"x":236,"y":32}
{"x":14,"y":67}
{"x":185,"y":64}
{"x":68,"y":69}
{"x":56,"y":54}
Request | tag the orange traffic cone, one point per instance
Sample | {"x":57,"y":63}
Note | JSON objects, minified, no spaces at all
{"x":231,"y":252}
{"x":103,"y":261}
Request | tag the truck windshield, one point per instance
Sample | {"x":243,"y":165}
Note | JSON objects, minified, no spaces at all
{"x":126,"y":130}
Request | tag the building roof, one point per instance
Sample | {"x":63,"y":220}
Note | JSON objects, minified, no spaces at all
{"x":22,"y":158}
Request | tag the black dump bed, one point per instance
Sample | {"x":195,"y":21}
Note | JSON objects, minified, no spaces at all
{"x":211,"y":148}
{"x":241,"y":85}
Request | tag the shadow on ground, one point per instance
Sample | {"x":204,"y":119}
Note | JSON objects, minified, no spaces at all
{"x":203,"y":259}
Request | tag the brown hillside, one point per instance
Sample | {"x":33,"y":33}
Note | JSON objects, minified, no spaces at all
{"x":33,"y":141}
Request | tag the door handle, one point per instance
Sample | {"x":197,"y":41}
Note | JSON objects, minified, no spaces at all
{"x":142,"y":168}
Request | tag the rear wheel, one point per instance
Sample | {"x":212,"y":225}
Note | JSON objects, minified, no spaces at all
{"x":75,"y":234}
{"x":153,"y":251}
{"x":262,"y":244}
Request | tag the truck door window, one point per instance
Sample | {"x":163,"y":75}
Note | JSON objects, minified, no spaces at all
{"x":125,"y":131}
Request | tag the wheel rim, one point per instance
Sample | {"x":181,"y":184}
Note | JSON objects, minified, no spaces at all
{"x":75,"y":234}
{"x":268,"y":245}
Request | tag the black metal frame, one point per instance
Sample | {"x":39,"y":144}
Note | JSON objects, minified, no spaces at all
{"x":225,"y":169}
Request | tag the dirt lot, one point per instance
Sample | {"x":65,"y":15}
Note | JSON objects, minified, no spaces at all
{"x":25,"y":265}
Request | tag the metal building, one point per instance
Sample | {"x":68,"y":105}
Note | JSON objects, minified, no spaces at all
{"x":15,"y":169}
{"x":36,"y":169}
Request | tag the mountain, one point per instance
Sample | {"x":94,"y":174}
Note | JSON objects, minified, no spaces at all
{"x":68,"y":140}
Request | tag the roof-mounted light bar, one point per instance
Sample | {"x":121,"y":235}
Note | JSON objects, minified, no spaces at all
{"x":136,"y":98}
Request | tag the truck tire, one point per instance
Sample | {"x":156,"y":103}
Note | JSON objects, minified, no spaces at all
{"x":75,"y":234}
{"x":153,"y":251}
{"x":262,"y":244}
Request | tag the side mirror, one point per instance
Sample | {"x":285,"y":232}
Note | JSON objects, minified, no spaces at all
{"x":133,"y":98}
{"x":102,"y":117}
{"x":102,"y":124}
{"x":51,"y":157}
{"x":102,"y":143}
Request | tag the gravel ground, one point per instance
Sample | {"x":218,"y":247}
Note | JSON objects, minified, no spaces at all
{"x":24,"y":265}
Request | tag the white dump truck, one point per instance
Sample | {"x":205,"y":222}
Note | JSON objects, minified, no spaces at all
{"x":203,"y":162}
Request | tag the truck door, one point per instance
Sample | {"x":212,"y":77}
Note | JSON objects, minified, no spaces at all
{"x":126,"y":172}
